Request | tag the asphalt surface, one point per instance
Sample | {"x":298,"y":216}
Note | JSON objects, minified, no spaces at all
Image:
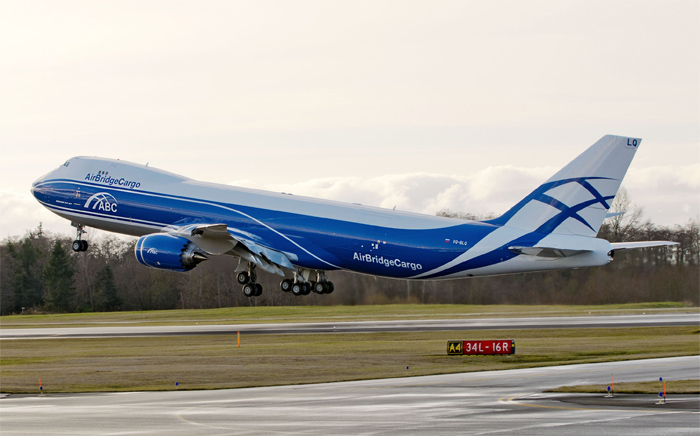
{"x":599,"y":321}
{"x":485,"y":403}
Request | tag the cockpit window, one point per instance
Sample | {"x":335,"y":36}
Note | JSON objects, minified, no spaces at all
{"x":66,"y":164}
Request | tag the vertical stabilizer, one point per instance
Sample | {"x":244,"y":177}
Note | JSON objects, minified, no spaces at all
{"x":576,"y":199}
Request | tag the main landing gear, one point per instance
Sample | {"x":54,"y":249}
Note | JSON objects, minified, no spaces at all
{"x":248,"y":280}
{"x":301,"y":286}
{"x":79,"y":244}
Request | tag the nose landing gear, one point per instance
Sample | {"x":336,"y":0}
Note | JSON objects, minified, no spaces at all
{"x":79,"y":244}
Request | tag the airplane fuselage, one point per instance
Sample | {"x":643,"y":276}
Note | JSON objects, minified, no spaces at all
{"x":316,"y":234}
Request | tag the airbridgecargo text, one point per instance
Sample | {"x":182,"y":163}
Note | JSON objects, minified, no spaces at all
{"x":387,"y":262}
{"x":98,"y":178}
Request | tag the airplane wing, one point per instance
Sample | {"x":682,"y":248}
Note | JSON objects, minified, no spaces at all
{"x":219,"y":239}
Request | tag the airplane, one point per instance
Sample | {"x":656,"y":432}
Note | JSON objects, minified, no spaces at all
{"x":182,"y":222}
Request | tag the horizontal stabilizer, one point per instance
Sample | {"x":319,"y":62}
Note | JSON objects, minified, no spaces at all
{"x":548,"y":252}
{"x":641,"y":244}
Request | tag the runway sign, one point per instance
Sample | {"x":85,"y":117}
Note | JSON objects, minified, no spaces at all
{"x":480,"y":348}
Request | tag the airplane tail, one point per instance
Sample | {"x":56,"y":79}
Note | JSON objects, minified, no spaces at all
{"x":576,"y":200}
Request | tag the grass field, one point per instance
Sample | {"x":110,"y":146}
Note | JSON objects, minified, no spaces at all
{"x":214,"y":362}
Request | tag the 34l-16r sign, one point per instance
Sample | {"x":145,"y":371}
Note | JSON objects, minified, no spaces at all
{"x":480,"y":348}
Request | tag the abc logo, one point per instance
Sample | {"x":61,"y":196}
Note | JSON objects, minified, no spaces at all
{"x":102,"y":201}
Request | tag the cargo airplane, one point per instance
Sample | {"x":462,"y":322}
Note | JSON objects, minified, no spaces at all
{"x":181,"y":222}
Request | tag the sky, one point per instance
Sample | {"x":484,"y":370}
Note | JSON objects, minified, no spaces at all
{"x":418,"y":105}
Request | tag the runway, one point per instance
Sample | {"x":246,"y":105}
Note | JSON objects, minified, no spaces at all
{"x":595,"y":321}
{"x":486,"y":403}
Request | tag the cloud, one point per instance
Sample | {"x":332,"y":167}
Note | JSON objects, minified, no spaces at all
{"x":669,"y":194}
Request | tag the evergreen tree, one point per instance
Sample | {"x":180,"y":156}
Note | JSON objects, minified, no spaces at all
{"x":106,"y":297}
{"x":59,"y":280}
{"x":26,"y":279}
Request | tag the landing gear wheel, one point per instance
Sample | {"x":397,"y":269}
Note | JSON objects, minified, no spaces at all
{"x":249,"y":290}
{"x":329,"y":287}
{"x":79,"y":245}
{"x":298,"y":289}
{"x":258,"y":289}
{"x":243,"y":278}
{"x":286,"y":285}
{"x":307,"y":289}
{"x":319,"y":287}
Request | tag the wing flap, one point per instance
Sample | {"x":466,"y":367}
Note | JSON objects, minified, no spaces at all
{"x":216,"y":231}
{"x":219,"y":239}
{"x":273,"y":256}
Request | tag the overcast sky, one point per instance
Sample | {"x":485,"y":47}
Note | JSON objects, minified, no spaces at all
{"x":422,"y":105}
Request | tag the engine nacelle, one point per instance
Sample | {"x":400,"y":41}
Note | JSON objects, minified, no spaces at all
{"x":161,"y":250}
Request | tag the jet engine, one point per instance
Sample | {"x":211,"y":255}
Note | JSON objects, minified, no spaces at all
{"x":161,"y":250}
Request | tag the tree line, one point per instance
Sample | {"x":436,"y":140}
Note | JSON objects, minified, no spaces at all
{"x":39,"y":273}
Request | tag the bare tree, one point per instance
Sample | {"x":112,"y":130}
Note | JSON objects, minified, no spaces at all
{"x":627,"y":225}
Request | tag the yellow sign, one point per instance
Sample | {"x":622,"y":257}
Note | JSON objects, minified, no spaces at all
{"x":454,"y":348}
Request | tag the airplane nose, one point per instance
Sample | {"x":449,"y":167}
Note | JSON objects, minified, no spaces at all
{"x":36,"y":188}
{"x":33,"y":188}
